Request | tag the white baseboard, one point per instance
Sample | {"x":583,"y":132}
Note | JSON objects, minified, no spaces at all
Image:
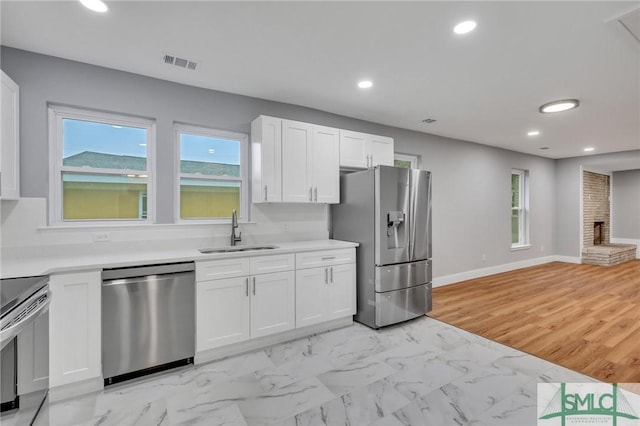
{"x":478,"y":273}
{"x":628,"y":241}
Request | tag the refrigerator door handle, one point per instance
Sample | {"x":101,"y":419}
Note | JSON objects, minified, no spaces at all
{"x":332,"y":275}
{"x":326,"y":280}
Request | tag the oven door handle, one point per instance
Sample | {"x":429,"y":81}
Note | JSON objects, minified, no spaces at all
{"x":9,"y":333}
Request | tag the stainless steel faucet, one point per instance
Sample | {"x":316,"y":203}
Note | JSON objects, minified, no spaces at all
{"x":234,"y":225}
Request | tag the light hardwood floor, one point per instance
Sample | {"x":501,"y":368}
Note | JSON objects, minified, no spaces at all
{"x":584,"y":317}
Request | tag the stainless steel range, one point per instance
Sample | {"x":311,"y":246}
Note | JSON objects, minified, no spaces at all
{"x":24,"y":340}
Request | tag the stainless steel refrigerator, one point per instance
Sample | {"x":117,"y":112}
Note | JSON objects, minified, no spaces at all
{"x":388,"y":211}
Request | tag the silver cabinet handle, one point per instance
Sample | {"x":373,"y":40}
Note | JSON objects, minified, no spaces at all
{"x":310,"y":194}
{"x":328,"y":257}
{"x":326,"y":279}
{"x":315,"y":196}
{"x":246,"y":286}
{"x":367,"y":160}
{"x":265,"y":192}
{"x":254,"y":286}
{"x":332,"y":274}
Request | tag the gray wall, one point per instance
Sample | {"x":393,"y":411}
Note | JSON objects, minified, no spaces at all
{"x":568,"y":193}
{"x":471,"y":208}
{"x":625,"y":204}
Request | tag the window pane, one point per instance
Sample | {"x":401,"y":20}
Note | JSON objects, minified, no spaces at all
{"x":104,"y":146}
{"x":87,"y":196}
{"x":402,"y":163}
{"x":515,"y":190}
{"x":515,"y":226}
{"x":208,"y":155}
{"x":205,"y":199}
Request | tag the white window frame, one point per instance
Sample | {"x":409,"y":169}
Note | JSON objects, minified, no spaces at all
{"x":243,"y":138}
{"x":412,"y":158}
{"x":522,"y":208}
{"x":57,"y":113}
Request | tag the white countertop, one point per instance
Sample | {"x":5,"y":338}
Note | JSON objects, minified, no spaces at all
{"x":46,"y":265}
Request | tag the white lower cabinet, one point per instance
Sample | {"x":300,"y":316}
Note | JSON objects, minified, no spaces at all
{"x":74,"y":328}
{"x":231,"y":310}
{"x":272,"y":303}
{"x":325,"y":293}
{"x":222,"y":308}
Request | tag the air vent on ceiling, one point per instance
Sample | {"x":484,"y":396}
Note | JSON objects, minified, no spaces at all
{"x":429,"y":120}
{"x":179,"y":62}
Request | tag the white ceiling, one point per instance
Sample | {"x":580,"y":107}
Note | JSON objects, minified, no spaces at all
{"x":484,"y":87}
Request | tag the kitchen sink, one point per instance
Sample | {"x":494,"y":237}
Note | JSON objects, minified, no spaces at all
{"x":234,"y":249}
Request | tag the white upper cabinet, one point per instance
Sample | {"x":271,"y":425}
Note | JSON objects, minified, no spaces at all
{"x":296,"y":162}
{"x":10,"y":142}
{"x":296,"y":154}
{"x":325,"y":165}
{"x":310,"y":163}
{"x":266,"y":158}
{"x":362,"y":150}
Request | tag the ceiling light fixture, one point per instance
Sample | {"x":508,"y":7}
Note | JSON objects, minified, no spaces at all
{"x":589,"y":149}
{"x":365,"y":84}
{"x":559,"y":106}
{"x":95,"y":5}
{"x":465,"y":27}
{"x":533,"y":133}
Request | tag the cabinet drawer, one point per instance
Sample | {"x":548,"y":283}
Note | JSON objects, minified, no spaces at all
{"x":276,"y":263}
{"x":315,"y":259}
{"x":227,"y":268}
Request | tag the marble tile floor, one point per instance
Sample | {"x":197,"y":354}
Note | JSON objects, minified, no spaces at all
{"x":422,"y":372}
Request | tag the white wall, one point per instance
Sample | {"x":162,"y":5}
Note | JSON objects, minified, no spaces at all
{"x":471,"y":206}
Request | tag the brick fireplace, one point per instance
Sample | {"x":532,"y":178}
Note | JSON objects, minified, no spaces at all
{"x":596,"y":222}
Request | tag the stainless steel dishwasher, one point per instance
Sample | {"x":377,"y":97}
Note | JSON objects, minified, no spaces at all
{"x":148,"y":319}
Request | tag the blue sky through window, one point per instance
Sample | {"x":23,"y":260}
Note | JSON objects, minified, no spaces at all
{"x":79,"y":136}
{"x":209,"y":149}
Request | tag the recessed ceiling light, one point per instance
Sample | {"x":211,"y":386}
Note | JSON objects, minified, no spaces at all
{"x":465,"y":27}
{"x":533,"y":133}
{"x":365,"y":84}
{"x":559,"y":106}
{"x":95,"y":5}
{"x":589,"y":149}
{"x":142,"y":144}
{"x":211,"y":151}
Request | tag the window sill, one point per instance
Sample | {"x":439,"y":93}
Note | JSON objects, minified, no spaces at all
{"x":141,"y":225}
{"x":521,"y":247}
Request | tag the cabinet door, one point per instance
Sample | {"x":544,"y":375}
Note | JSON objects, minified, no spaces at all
{"x":9,"y":144}
{"x":381,"y":150}
{"x":353,"y":149}
{"x":311,"y":296}
{"x":296,"y":156}
{"x":74,"y":328}
{"x":222,"y":312}
{"x":342,"y":291}
{"x":325,"y":165}
{"x":272,"y":303}
{"x":33,"y":362}
{"x":266,"y":151}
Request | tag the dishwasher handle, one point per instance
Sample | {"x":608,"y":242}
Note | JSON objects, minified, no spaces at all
{"x":146,"y":270}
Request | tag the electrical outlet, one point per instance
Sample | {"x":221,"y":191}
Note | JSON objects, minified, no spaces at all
{"x":541,"y":248}
{"x":484,"y":257}
{"x":100,"y":237}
